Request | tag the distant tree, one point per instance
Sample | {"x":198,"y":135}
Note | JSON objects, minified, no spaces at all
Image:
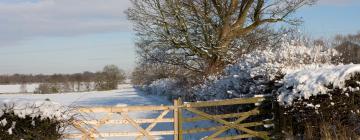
{"x":100,"y":83}
{"x":78,"y":77}
{"x":350,"y":52}
{"x":113,"y":76}
{"x":43,"y":89}
{"x":349,"y":47}
{"x":110,"y":77}
{"x":88,"y":78}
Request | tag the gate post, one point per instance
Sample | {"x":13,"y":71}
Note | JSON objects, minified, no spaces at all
{"x":177,"y":119}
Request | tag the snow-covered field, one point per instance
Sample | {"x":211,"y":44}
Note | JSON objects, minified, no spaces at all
{"x":17,"y":88}
{"x":125,"y":95}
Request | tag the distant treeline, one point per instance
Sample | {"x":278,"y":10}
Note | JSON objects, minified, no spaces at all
{"x":54,"y":78}
{"x":106,"y":79}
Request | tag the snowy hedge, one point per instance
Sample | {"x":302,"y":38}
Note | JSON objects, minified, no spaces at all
{"x":259,"y":71}
{"x":29,"y":120}
{"x":169,"y":87}
{"x":318,"y":80}
{"x":319,"y":103}
{"x":162,"y":86}
{"x":316,"y":97}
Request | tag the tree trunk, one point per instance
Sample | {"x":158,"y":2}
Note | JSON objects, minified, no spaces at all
{"x":214,"y":66}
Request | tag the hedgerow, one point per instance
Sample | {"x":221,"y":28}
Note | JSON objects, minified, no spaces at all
{"x":41,"y":120}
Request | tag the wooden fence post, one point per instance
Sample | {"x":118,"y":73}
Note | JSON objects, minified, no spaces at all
{"x":177,"y":120}
{"x":180,"y":119}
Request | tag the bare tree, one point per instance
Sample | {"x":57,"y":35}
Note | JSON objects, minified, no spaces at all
{"x":349,"y":47}
{"x":202,"y":35}
{"x":110,"y":77}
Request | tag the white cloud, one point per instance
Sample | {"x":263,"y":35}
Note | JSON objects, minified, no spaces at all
{"x":23,"y":20}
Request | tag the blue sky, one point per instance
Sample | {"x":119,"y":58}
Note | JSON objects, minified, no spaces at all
{"x":330,"y":17}
{"x":68,"y":36}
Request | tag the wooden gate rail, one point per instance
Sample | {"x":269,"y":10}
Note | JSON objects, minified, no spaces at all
{"x":178,"y":119}
{"x":225,"y":125}
{"x":126,"y":119}
{"x":235,"y":101}
{"x":124,"y":109}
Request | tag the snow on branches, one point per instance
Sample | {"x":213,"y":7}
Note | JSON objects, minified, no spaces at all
{"x":261,"y":71}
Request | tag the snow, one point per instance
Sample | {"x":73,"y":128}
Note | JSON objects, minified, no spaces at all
{"x":312,"y":81}
{"x":161,"y":86}
{"x":11,"y":128}
{"x":269,"y":125}
{"x":255,"y":72}
{"x":42,"y":109}
{"x":291,"y":70}
{"x":3,"y":122}
{"x":165,"y":87}
{"x":126,"y":95}
{"x":16,"y":88}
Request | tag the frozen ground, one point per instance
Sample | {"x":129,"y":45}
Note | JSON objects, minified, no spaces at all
{"x":125,"y":95}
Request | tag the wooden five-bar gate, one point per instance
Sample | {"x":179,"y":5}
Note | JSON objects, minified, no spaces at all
{"x":177,"y":119}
